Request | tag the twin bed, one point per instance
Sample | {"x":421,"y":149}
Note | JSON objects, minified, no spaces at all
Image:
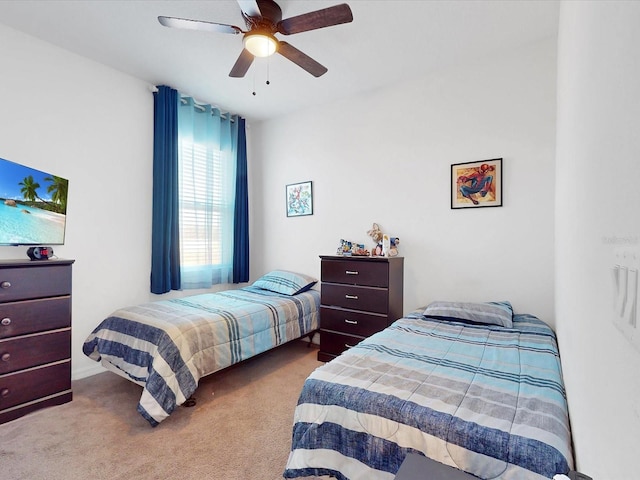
{"x":168,"y":345}
{"x":468,"y":385}
{"x":472,"y":386}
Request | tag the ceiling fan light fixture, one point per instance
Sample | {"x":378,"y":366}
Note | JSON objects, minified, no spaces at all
{"x":260,"y":44}
{"x":263,"y":19}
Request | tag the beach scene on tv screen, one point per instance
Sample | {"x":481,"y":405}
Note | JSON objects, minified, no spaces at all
{"x":33,"y":206}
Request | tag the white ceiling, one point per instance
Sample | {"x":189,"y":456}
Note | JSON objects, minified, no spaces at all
{"x":387,"y":42}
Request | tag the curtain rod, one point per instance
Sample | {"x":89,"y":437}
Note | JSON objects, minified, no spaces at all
{"x":197,"y":105}
{"x":202,"y":108}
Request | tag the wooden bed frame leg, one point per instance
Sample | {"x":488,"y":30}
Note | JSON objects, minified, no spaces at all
{"x":190,"y":402}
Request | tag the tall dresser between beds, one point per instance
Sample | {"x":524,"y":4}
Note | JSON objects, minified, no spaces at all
{"x":359,"y":297}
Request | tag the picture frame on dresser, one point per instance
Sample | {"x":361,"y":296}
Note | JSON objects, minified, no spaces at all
{"x":359,"y":296}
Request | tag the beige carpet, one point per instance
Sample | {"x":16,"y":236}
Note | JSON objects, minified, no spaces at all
{"x":240,"y":428}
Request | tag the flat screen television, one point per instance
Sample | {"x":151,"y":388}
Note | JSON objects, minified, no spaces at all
{"x":33,"y":206}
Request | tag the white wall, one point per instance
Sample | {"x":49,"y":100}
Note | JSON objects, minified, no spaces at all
{"x":77,"y":119}
{"x":598,"y":166}
{"x":385,"y":157}
{"x":93,"y":125}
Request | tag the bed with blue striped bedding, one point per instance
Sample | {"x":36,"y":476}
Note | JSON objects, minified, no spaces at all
{"x":486,"y":399}
{"x":168,"y":345}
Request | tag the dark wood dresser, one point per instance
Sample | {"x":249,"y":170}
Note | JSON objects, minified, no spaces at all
{"x":35,"y":336}
{"x":359,"y":297}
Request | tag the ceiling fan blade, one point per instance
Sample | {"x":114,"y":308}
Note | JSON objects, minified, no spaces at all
{"x":326,"y":17}
{"x":242,"y":64}
{"x":250,"y":8}
{"x":301,"y":59}
{"x":185,"y":23}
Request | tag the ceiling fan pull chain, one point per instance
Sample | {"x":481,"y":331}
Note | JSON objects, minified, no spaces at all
{"x":268,"y":63}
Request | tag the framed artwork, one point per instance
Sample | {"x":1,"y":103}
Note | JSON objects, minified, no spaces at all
{"x":299,"y":199}
{"x":476,"y":184}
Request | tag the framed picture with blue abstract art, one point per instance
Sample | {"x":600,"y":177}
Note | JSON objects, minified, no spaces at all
{"x":477,"y":184}
{"x":299,"y":199}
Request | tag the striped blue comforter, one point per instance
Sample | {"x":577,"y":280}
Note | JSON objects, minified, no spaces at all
{"x":167,"y":346}
{"x":488,"y":400}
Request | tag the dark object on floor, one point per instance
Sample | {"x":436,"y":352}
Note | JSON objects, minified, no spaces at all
{"x":417,"y":467}
{"x":578,"y":476}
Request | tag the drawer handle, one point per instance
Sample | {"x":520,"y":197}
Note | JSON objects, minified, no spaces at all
{"x":348,"y":346}
{"x":4,"y":393}
{"x":5,"y":321}
{"x":352,"y":322}
{"x":351,"y":297}
{"x":351,"y":272}
{"x":5,"y":357}
{"x":5,"y":285}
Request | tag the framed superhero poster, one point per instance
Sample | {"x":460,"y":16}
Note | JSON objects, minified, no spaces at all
{"x":476,"y":184}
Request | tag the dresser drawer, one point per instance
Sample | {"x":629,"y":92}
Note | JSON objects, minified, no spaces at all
{"x":35,"y":349}
{"x":353,"y":323}
{"x":49,"y":401}
{"x":34,"y":282}
{"x":355,"y":272}
{"x":336,"y":343}
{"x":21,"y":387}
{"x":29,"y":316}
{"x":368,"y":299}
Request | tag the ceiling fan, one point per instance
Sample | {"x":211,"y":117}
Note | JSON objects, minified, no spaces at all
{"x":263,"y":19}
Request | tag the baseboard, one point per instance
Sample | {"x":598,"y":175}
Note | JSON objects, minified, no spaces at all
{"x":88,"y":371}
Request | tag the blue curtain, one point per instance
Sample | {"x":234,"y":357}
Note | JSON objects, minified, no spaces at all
{"x":165,"y":243}
{"x":241,"y":214}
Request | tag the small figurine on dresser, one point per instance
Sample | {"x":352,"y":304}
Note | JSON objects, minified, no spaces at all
{"x":347,"y":249}
{"x":344,"y":248}
{"x":386,"y":246}
{"x":393,"y":248}
{"x":375,"y":233}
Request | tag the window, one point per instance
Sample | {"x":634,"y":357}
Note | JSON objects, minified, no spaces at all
{"x":200,"y":233}
{"x":206,"y":197}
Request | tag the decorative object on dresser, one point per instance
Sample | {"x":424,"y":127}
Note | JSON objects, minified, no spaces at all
{"x":347,"y":248}
{"x":359,"y":297}
{"x":35,"y":336}
{"x":385,"y":245}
